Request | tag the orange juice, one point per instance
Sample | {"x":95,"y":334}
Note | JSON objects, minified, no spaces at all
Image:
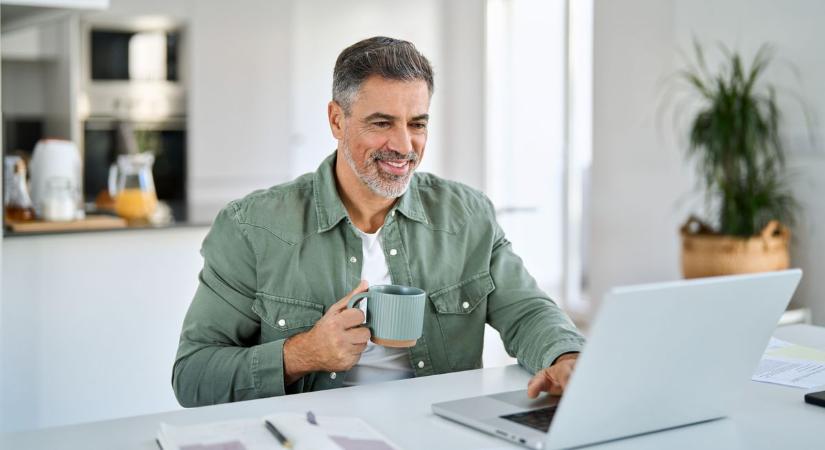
{"x":135,"y":204}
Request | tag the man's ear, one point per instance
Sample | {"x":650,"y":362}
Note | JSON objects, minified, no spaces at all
{"x":336,"y":119}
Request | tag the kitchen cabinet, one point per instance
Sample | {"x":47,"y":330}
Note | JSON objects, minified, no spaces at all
{"x":40,"y":63}
{"x":68,"y":4}
{"x":31,"y":43}
{"x":93,"y":319}
{"x":18,"y":14}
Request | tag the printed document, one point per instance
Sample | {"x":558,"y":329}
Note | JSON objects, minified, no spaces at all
{"x":791,"y":365}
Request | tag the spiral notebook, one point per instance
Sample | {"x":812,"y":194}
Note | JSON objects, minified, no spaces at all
{"x":326,"y":433}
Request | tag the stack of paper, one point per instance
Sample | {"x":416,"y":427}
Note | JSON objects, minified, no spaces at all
{"x":791,"y":365}
{"x":329,"y":433}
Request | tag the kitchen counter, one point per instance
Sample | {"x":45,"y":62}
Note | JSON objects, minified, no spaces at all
{"x":93,"y":316}
{"x":183,"y":215}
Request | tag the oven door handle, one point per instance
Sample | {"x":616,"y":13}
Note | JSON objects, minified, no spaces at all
{"x":113,"y":180}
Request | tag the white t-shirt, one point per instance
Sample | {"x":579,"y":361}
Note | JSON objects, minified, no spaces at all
{"x":377,"y":363}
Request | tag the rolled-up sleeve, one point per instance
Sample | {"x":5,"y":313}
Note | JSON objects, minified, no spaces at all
{"x":534,"y":329}
{"x":219,"y":357}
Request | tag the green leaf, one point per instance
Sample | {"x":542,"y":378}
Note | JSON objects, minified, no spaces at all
{"x":734,"y":141}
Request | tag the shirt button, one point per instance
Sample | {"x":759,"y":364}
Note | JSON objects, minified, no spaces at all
{"x":465,"y":305}
{"x":420,"y":364}
{"x":353,"y":259}
{"x":282,"y":323}
{"x":333,"y":375}
{"x":392,"y":213}
{"x":393,"y":252}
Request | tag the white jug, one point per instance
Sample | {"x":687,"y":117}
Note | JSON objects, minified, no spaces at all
{"x":56,"y":159}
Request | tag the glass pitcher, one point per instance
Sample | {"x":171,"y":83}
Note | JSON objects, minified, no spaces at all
{"x":132,"y":186}
{"x":17,"y":201}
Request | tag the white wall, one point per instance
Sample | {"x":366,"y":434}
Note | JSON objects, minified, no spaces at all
{"x":91,"y":322}
{"x":460,"y":89}
{"x":639,"y":178}
{"x":637,"y":175}
{"x":240,"y":93}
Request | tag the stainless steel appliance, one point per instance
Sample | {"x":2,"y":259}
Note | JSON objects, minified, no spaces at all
{"x":133,"y":101}
{"x":166,"y":140}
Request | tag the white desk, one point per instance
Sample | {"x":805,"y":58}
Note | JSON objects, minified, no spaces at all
{"x":769,"y":417}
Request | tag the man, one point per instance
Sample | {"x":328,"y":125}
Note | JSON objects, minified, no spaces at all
{"x":269,"y":317}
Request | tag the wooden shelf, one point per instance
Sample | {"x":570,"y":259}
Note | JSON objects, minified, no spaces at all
{"x":92,"y":222}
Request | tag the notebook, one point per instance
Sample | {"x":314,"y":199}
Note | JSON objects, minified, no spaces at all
{"x":328,"y":433}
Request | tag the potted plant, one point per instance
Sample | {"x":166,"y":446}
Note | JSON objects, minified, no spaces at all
{"x":740,"y":162}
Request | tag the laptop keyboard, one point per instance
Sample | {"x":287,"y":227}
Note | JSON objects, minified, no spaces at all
{"x":538,"y":418}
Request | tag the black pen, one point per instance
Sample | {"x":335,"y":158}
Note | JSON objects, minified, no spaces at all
{"x":280,"y":437}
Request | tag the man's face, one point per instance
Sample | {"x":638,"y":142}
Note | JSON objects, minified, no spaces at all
{"x":383,"y":137}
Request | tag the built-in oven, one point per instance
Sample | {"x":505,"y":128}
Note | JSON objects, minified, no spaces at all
{"x":133,"y":99}
{"x":106,"y":138}
{"x":134,"y":54}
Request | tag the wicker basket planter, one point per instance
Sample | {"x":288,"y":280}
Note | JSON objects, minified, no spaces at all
{"x":706,"y":253}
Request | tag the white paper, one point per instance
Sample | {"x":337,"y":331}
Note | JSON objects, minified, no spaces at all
{"x":791,"y":365}
{"x":244,"y":434}
{"x":334,"y":433}
{"x":776,"y":344}
{"x":331,"y":433}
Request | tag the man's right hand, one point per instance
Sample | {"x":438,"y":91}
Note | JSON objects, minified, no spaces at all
{"x":334,"y":343}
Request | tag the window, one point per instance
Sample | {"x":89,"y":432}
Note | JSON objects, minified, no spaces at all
{"x":538,"y":115}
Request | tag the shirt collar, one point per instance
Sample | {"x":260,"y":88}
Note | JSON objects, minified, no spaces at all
{"x":330,"y":209}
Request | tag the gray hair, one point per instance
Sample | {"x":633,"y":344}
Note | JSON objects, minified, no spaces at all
{"x":389,"y":58}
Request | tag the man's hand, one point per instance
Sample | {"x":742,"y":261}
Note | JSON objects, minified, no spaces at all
{"x":334,"y":344}
{"x":553,"y":379}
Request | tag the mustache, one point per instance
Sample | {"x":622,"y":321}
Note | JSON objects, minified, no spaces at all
{"x":383,"y":155}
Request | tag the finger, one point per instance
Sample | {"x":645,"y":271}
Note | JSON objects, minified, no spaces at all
{"x":359,"y":335}
{"x":543,"y":381}
{"x":350,"y":318}
{"x":536,"y":385}
{"x":363,"y":286}
{"x":357,"y":349}
{"x":564,"y":378}
{"x":555,"y":387}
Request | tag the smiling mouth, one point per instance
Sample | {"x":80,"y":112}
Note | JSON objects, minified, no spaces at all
{"x":395,"y":167}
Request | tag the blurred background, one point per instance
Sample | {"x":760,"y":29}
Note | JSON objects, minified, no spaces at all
{"x":559,"y":110}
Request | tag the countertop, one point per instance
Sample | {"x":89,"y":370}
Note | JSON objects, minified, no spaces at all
{"x":183,"y":215}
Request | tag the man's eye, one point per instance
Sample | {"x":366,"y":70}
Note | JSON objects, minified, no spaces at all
{"x":419,"y":125}
{"x":382,"y":124}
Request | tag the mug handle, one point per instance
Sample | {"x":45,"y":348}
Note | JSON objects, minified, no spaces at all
{"x":357,"y":299}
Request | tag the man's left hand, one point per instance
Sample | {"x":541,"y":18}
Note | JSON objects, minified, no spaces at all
{"x":553,"y":379}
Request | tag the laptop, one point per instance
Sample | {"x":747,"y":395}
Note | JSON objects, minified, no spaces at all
{"x":659,"y":356}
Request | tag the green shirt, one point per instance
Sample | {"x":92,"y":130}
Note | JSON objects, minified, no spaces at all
{"x":275,"y":260}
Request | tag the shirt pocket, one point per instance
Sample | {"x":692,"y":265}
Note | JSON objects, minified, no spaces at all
{"x":282,"y":317}
{"x":461,"y":312}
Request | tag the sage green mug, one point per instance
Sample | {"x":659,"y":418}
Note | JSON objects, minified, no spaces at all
{"x":395,"y":314}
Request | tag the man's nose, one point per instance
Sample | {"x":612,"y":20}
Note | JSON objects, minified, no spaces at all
{"x":401,"y":141}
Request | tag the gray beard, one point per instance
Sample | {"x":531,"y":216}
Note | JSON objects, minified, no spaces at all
{"x":382,"y":184}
